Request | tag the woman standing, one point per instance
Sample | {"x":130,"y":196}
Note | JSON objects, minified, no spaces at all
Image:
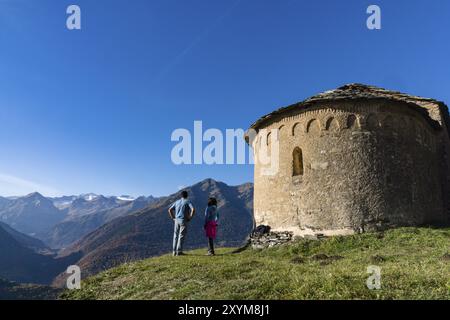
{"x":211,"y":218}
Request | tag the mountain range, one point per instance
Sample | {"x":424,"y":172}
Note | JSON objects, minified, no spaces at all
{"x":148,"y":232}
{"x":97,"y":232}
{"x":31,"y":214}
{"x":85,"y":214}
{"x":63,"y":220}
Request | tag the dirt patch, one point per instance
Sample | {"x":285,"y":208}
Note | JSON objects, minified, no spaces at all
{"x":324,"y":259}
{"x":446,"y":257}
{"x":298,"y":260}
{"x":377,"y":259}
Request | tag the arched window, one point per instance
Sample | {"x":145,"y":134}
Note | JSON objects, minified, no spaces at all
{"x":297,"y":162}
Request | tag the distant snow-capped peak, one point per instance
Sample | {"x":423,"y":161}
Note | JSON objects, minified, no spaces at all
{"x":125,"y":198}
{"x":89,"y":196}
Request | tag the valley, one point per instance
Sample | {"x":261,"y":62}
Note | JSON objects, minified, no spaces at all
{"x":97,"y":232}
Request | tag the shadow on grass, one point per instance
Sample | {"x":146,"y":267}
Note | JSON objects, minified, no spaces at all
{"x":235,"y":251}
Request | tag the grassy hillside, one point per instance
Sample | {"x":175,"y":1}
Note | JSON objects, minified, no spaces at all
{"x":415,"y":264}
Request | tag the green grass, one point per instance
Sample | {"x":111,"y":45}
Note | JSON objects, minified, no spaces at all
{"x":414,"y":263}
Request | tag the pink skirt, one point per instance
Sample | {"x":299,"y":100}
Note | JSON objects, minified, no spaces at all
{"x":211,"y":229}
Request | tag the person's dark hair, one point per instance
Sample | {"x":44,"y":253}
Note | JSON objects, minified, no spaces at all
{"x":184,"y":194}
{"x":212,"y":202}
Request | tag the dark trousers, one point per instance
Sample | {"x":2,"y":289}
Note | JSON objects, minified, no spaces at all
{"x":211,"y":245}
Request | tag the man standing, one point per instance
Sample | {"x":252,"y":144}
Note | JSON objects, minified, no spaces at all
{"x":181,"y":211}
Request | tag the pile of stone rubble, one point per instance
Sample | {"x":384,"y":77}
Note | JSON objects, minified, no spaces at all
{"x":262,"y":238}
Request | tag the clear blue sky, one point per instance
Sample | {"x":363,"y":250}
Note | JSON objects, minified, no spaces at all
{"x":93,"y":110}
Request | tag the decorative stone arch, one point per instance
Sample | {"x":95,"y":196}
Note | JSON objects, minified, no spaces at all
{"x":295,"y":127}
{"x":269,"y":138}
{"x":388,"y":122}
{"x":312,"y":125}
{"x":372,"y":121}
{"x":297,"y":162}
{"x":403,"y":123}
{"x":332,"y":124}
{"x":281,"y":129}
{"x":352,"y":121}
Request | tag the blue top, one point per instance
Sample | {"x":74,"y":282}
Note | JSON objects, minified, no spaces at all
{"x":182,"y":208}
{"x":211,"y":214}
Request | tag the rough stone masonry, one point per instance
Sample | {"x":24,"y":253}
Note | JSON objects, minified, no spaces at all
{"x":354,"y":159}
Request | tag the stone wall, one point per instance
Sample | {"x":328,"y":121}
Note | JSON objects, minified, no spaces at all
{"x":438,"y":111}
{"x":366,"y":165}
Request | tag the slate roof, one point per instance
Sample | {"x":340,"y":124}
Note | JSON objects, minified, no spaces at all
{"x":356,"y":91}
